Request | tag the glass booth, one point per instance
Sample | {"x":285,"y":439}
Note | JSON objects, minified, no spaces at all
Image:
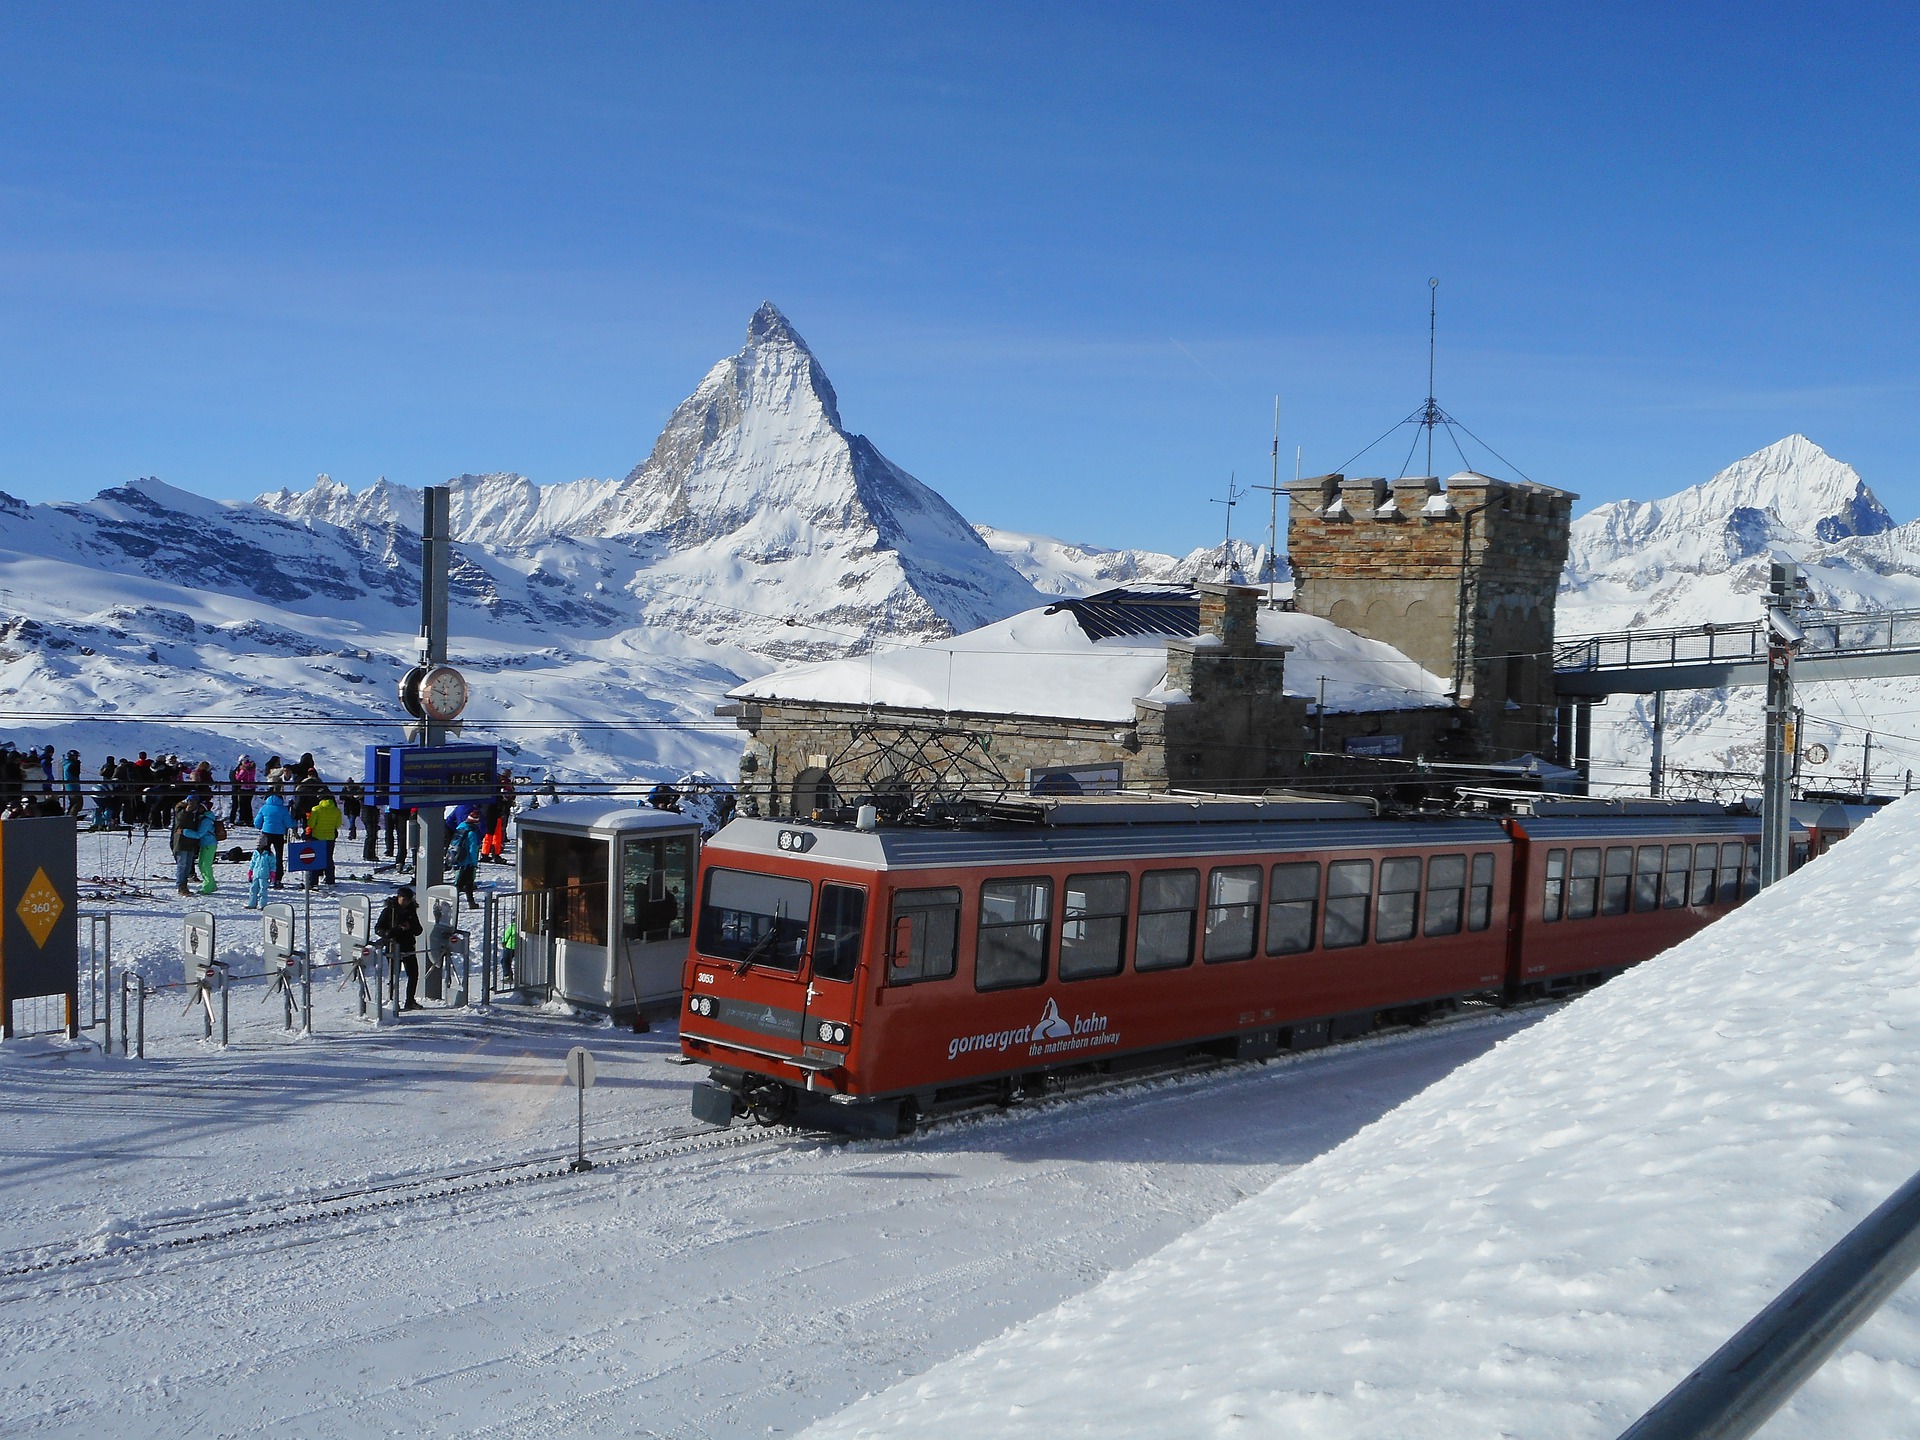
{"x":605,"y":891}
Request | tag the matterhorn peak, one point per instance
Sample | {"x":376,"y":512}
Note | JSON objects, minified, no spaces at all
{"x":770,"y":327}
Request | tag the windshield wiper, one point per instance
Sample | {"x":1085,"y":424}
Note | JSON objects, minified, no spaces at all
{"x":745,"y":962}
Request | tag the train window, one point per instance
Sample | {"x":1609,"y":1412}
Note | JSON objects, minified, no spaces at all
{"x":1349,"y":888}
{"x":1618,"y":881}
{"x":755,"y":919}
{"x":1646,"y":878}
{"x":1583,"y":885}
{"x":924,"y":936}
{"x":838,"y":931}
{"x":1291,"y":902}
{"x":1799,"y":853}
{"x":1553,"y":897}
{"x":1731,"y":855}
{"x":1703,"y":856}
{"x":1233,"y":912}
{"x":1480,"y":897}
{"x":1673,"y":891}
{"x":1750,"y":876}
{"x":1446,"y":893}
{"x":1093,"y":926}
{"x":1396,"y":908}
{"x":1012,"y":946}
{"x":1169,"y":904}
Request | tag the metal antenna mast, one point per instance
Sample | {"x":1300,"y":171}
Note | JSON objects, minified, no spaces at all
{"x":1233,"y":499}
{"x":1431,"y":416}
{"x":1273,"y":509}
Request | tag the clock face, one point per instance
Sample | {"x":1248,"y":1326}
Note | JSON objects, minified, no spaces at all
{"x":443,"y":694}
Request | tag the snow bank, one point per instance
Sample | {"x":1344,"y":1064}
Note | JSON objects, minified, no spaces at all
{"x":1546,"y":1241}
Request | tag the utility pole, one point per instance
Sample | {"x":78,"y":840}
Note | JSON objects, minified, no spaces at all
{"x":1656,"y":780}
{"x":1776,"y":798}
{"x":1273,"y":509}
{"x":1866,"y":767}
{"x":436,"y":546}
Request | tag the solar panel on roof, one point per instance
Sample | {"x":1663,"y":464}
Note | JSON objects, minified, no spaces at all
{"x":1115,"y":614}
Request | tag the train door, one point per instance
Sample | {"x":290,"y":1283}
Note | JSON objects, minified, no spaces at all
{"x":833,"y":975}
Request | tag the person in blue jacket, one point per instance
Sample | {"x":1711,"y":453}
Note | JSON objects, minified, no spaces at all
{"x":466,"y":855}
{"x":274,"y":821}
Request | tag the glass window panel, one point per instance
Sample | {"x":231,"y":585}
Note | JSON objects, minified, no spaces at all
{"x":1480,"y":896}
{"x":1169,"y":912}
{"x":1583,"y":885}
{"x":1396,"y":908}
{"x":755,"y":919}
{"x":1291,"y":906}
{"x":1553,"y":897}
{"x":924,"y":947}
{"x":1702,"y":889}
{"x":1750,"y":876}
{"x":1617,"y":884}
{"x":1673,"y":890}
{"x":1349,"y":888}
{"x":838,"y":933}
{"x":1446,"y":894}
{"x":1233,"y":912}
{"x":1012,"y":943}
{"x":1646,"y":878}
{"x":1093,"y":926}
{"x":1732,"y":854}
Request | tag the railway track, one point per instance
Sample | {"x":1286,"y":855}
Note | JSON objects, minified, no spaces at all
{"x":250,"y":1218}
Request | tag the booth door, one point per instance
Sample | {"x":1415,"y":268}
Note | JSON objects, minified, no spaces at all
{"x":656,"y":886}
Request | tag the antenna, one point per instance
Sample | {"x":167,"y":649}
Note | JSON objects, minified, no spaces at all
{"x":1233,"y":499}
{"x":1431,"y":415}
{"x":1273,"y":509}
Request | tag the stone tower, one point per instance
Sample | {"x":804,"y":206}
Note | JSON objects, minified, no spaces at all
{"x":1462,"y":579}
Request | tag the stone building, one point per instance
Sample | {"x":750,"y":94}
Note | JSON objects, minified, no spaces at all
{"x":1463,"y":579}
{"x":1157,"y":688}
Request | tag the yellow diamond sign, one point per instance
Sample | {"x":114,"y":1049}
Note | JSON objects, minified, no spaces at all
{"x":40,"y":908}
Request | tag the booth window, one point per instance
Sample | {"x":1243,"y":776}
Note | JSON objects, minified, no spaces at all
{"x":656,"y":878}
{"x":571,"y":871}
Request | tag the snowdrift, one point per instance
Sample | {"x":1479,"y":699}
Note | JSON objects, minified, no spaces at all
{"x":1546,"y":1241}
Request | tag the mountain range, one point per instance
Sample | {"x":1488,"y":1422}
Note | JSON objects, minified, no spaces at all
{"x":600,"y":620}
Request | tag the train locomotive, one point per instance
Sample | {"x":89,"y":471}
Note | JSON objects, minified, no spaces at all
{"x":860,"y":977}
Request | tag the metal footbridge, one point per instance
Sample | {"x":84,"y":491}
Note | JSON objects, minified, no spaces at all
{"x":1837,"y":645}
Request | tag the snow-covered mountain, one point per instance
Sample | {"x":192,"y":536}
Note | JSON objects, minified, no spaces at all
{"x":1059,"y":567}
{"x":1702,"y":556}
{"x":601,"y":619}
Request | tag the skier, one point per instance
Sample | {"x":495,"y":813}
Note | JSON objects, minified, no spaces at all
{"x":260,"y":873}
{"x":275,"y":820}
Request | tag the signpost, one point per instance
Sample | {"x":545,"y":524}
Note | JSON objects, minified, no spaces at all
{"x":581,"y":1071}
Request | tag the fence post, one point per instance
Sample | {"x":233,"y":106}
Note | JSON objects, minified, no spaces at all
{"x":486,"y":950}
{"x":140,"y":992}
{"x":306,"y":988}
{"x":124,"y":978}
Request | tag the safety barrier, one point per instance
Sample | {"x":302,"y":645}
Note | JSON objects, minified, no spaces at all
{"x":1739,"y":1386}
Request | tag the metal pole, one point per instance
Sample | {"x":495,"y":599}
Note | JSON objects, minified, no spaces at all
{"x":1746,"y":1380}
{"x":436,"y":537}
{"x":1659,"y":742}
{"x":123,"y":1018}
{"x":1776,"y":796}
{"x":140,"y":995}
{"x":1866,"y":767}
{"x":225,"y":1004}
{"x":306,"y":989}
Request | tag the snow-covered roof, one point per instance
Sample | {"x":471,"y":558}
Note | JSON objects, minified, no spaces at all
{"x":1043,"y":663}
{"x":603,"y":816}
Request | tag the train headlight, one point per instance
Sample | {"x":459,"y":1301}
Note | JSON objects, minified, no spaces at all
{"x":701,"y":1004}
{"x":831,"y":1033}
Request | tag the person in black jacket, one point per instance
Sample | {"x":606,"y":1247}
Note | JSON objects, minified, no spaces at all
{"x":399,"y":926}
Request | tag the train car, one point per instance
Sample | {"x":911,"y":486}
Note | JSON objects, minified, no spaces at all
{"x":1603,"y":885}
{"x":860,"y":977}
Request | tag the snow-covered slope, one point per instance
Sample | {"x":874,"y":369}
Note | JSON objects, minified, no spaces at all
{"x":1545,"y":1241}
{"x":758,"y":530}
{"x":1702,"y":556}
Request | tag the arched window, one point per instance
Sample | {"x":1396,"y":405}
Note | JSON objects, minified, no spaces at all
{"x":812,"y":791}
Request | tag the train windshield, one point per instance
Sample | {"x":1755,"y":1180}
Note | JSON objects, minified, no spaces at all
{"x":754,"y":919}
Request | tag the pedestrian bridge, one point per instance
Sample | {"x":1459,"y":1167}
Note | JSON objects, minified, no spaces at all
{"x":1839,"y":645}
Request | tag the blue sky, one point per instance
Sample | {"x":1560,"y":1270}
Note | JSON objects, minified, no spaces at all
{"x":1057,"y":259}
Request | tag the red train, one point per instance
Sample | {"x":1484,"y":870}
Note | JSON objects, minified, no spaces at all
{"x":858,"y":978}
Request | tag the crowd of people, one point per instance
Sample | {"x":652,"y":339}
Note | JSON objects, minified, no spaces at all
{"x":198,"y":809}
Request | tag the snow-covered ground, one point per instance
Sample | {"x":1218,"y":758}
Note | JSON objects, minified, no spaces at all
{"x":687,"y":1287}
{"x":1546,"y":1241}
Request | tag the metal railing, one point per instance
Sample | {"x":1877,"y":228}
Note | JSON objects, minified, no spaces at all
{"x":1742,"y":1383}
{"x":1831,"y":634}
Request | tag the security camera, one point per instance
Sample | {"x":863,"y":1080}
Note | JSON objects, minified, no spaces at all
{"x":1783,"y":628}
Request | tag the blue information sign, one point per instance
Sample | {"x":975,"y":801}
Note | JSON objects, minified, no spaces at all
{"x":412,"y":777}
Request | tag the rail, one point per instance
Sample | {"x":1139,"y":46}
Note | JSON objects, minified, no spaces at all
{"x":1742,"y":1383}
{"x":1830,"y":634}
